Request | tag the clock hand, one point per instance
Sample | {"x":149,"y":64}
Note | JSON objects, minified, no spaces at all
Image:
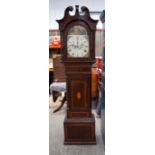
{"x":77,"y":42}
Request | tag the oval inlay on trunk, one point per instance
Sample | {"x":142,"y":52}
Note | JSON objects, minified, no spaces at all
{"x":78,"y":95}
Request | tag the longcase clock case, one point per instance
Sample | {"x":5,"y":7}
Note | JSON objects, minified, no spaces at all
{"x":79,"y":123}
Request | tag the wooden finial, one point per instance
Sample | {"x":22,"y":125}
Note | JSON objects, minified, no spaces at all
{"x":77,"y":9}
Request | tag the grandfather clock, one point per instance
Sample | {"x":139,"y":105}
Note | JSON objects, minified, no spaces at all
{"x":78,"y":55}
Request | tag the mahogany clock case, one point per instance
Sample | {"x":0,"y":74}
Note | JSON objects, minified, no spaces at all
{"x":79,"y":123}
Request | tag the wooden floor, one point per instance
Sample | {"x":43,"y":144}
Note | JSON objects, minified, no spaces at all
{"x":56,"y":137}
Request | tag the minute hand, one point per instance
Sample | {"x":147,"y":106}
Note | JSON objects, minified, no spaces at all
{"x":77,"y":42}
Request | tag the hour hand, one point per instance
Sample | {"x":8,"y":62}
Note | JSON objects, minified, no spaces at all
{"x":77,"y":42}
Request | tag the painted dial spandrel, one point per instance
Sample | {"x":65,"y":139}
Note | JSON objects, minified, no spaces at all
{"x":77,"y":42}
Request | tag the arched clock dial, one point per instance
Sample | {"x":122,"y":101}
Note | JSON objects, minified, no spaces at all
{"x":77,"y":42}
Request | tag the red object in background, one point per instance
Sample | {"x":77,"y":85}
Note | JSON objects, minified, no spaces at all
{"x":99,"y":66}
{"x":99,"y":62}
{"x":56,"y":41}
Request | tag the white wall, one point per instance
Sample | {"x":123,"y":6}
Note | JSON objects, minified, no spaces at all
{"x":57,"y":7}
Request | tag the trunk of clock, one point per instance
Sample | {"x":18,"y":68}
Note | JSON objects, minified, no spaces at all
{"x":79,"y":124}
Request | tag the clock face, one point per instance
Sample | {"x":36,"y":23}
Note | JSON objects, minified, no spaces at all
{"x":77,"y":42}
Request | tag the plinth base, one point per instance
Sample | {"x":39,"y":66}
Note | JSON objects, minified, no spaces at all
{"x":79,"y":131}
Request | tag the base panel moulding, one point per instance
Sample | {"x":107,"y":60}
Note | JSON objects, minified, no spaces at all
{"x":79,"y":131}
